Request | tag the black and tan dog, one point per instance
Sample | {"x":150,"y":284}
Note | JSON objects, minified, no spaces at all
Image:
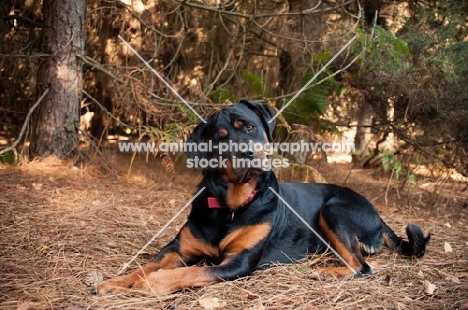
{"x":239,"y":224}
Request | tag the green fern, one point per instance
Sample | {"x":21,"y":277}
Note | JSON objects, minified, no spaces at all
{"x":173,"y":132}
{"x":8,"y":158}
{"x":221,"y":95}
{"x":256,"y":83}
{"x":192,"y":116}
{"x":313,"y":103}
{"x":389,"y":161}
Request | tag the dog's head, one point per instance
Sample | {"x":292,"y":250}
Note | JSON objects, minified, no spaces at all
{"x":233,"y":141}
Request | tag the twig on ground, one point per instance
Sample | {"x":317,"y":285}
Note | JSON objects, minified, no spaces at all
{"x":387,"y":187}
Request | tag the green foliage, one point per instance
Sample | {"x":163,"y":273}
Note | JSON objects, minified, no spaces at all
{"x":256,"y":83}
{"x":412,"y":179}
{"x":313,"y":102}
{"x":173,"y":132}
{"x":221,"y":95}
{"x":389,"y":162}
{"x":8,"y":158}
{"x":420,"y":76}
{"x":386,"y":57}
{"x":444,"y":51}
{"x":192,"y":116}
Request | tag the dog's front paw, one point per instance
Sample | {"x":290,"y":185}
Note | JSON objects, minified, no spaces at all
{"x":156,"y":282}
{"x":111,"y":286}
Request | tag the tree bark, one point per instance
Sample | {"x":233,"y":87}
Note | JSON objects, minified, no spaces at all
{"x":363,"y":133}
{"x":56,"y":122}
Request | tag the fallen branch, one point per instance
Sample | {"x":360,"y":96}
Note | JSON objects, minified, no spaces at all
{"x":17,"y":141}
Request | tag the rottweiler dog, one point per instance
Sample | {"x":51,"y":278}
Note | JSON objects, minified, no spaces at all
{"x":241,"y":220}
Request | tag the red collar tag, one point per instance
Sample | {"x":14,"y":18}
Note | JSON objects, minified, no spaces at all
{"x":213,"y":202}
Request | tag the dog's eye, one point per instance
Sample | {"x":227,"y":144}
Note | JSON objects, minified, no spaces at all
{"x":238,"y":123}
{"x":250,"y":128}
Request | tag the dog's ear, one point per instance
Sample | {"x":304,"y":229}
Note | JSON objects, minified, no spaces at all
{"x":193,"y":142}
{"x":265,"y":113}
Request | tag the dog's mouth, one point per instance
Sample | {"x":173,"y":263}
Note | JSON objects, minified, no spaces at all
{"x":243,"y":165}
{"x":241,"y":174}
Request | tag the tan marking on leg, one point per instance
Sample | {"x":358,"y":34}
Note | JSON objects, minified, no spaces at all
{"x":345,"y":252}
{"x":163,"y":282}
{"x":237,"y":193}
{"x":122,"y":283}
{"x":244,"y":238}
{"x":190,"y":246}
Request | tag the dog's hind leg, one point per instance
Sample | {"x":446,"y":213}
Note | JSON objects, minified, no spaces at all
{"x":340,"y":231}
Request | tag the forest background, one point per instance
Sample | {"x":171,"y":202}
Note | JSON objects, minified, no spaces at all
{"x":400,"y":88}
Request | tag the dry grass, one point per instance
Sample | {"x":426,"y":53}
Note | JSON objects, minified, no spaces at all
{"x":58,"y":224}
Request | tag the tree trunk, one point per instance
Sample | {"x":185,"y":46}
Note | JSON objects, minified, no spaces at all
{"x":363,"y":133}
{"x":57,"y":119}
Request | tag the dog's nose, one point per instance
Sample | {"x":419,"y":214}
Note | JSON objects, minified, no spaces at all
{"x":249,"y":152}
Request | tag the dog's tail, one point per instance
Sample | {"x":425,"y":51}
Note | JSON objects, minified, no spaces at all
{"x":414,"y":247}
